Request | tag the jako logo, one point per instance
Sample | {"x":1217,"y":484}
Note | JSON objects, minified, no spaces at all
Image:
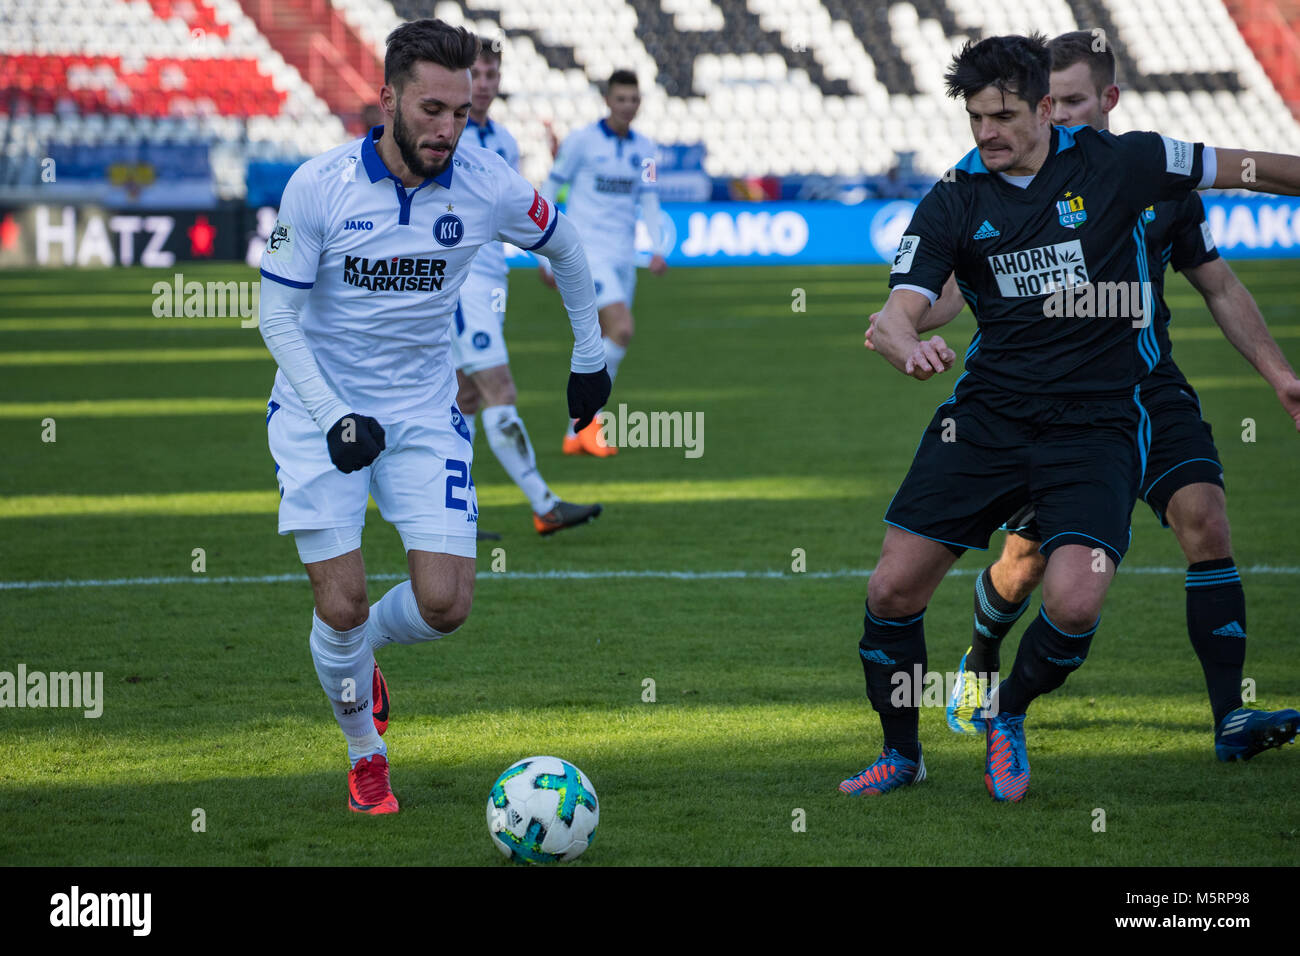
{"x":102,"y":909}
{"x":363,"y":224}
{"x":745,"y":234}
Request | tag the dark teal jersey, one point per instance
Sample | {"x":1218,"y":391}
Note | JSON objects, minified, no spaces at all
{"x":1024,"y":259}
{"x":1178,"y":236}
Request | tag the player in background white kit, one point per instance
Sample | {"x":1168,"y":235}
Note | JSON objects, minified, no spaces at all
{"x":610,"y":170}
{"x":478,"y":345}
{"x":363,"y":271}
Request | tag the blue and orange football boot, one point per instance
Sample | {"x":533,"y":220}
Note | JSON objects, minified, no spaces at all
{"x":1006,"y":762}
{"x":1246,"y":732}
{"x":890,"y":772}
{"x":379,"y":701}
{"x":368,"y":787}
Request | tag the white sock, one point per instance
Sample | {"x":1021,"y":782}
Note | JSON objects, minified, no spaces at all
{"x":395,"y":619}
{"x":613,"y":356}
{"x":509,"y":440}
{"x":345,"y":665}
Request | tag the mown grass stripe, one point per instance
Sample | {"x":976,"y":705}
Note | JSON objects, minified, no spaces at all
{"x":134,"y":356}
{"x":768,"y":488}
{"x":124,"y":407}
{"x":118,"y":324}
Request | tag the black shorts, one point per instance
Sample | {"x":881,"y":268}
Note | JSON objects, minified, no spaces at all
{"x":987,"y":451}
{"x":1182,"y":448}
{"x":1182,"y":445}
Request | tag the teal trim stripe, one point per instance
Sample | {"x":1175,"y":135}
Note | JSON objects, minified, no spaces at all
{"x":1146,"y":336}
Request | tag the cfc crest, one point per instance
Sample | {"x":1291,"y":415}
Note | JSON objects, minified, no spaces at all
{"x":1071,"y":213}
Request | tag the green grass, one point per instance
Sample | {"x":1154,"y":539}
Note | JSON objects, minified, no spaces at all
{"x":212,"y":701}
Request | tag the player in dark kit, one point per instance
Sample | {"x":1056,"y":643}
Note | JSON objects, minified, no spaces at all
{"x":1049,"y":409}
{"x":1183,"y":483}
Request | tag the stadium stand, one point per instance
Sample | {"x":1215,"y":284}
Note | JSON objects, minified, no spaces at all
{"x":769,"y":87}
{"x":108,"y":71}
{"x":837,"y":87}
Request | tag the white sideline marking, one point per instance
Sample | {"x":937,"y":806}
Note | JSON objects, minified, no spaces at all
{"x":561,"y":575}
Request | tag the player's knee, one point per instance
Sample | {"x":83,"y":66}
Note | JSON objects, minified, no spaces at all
{"x":1073,"y":612}
{"x":468,"y":403}
{"x":505,"y":394}
{"x":445,"y":610}
{"x":1203,"y":531}
{"x":343,"y":612}
{"x":890,"y":595}
{"x":1019,"y":576}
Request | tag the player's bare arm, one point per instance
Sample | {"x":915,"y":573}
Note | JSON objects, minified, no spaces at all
{"x":589,"y":382}
{"x":896,"y":338}
{"x":1257,"y":171}
{"x":1238,"y":315}
{"x":945,"y":309}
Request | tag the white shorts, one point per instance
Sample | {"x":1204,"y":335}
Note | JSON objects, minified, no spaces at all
{"x":478,"y":338}
{"x":615,"y":279}
{"x":420,"y":481}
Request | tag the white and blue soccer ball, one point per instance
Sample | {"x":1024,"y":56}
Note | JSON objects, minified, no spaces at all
{"x":542,"y":810}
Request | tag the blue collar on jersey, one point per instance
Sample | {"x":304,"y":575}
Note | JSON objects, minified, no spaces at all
{"x":1065,"y":137}
{"x":377,"y":170}
{"x":971,"y":162}
{"x":604,"y":128}
{"x":484,"y":131}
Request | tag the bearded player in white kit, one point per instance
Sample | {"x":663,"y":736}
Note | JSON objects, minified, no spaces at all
{"x":610,"y":170}
{"x":478,"y":344}
{"x":364,"y":268}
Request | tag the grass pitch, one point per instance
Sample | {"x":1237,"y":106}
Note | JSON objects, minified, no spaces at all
{"x":211,"y":701}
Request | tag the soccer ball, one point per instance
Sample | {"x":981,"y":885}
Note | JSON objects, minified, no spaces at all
{"x":542,"y":810}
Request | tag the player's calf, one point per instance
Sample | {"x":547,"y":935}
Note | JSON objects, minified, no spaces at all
{"x":1047,"y":656}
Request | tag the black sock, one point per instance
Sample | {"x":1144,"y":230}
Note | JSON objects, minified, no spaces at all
{"x":1045,"y":658}
{"x":891,"y":646}
{"x":1216,"y":624}
{"x":995,"y":616}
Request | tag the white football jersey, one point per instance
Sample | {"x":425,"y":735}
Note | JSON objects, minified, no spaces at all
{"x":385,"y":265}
{"x":606,"y":174}
{"x":490,"y":261}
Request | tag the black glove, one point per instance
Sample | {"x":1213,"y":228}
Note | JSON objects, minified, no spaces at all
{"x":354,"y":441}
{"x":588,"y":392}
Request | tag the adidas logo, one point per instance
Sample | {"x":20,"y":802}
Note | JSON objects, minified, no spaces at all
{"x":1235,"y":721}
{"x":986,"y":231}
{"x":1229,"y":630}
{"x":1071,"y":662}
{"x":876,"y":657}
